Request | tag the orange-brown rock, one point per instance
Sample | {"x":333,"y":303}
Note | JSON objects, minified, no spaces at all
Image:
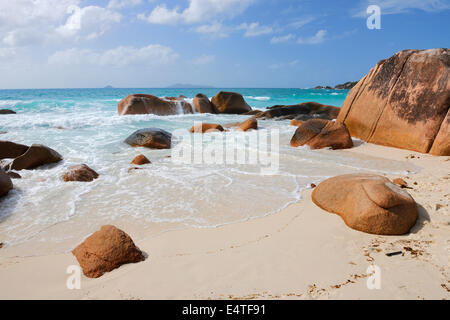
{"x":319,"y":133}
{"x":297,"y":123}
{"x":5,"y":183}
{"x":230,"y":103}
{"x":206,"y":127}
{"x":202,"y":104}
{"x":302,"y":111}
{"x":368,"y":203}
{"x":81,"y":173}
{"x":11,"y":150}
{"x":148,"y":104}
{"x":106,"y":250}
{"x":403,"y":102}
{"x":140,"y":160}
{"x":400,"y":182}
{"x":250,"y":124}
{"x":151,"y":138}
{"x":36,"y":155}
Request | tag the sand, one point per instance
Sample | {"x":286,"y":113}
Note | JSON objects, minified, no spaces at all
{"x":302,"y":252}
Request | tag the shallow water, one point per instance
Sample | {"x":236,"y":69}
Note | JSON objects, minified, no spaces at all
{"x":83,"y":126}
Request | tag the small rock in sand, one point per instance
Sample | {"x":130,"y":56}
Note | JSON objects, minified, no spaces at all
{"x":81,"y":173}
{"x":401,"y":183}
{"x":106,"y":250}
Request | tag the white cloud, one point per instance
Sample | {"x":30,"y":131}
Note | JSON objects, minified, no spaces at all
{"x":255,"y":29}
{"x":88,"y":22}
{"x":198,"y":11}
{"x":297,"y":24}
{"x":120,"y":4}
{"x":319,"y":37}
{"x":215,"y":29}
{"x":281,"y":39}
{"x":402,"y":6}
{"x":122,"y":56}
{"x":204,"y":59}
{"x":30,"y":22}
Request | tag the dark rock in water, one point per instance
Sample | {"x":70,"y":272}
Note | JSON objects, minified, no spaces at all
{"x":403,"y":102}
{"x":203,"y":105}
{"x":5,"y":183}
{"x":7,"y":111}
{"x":319,"y":133}
{"x":150,"y":138}
{"x":302,"y":111}
{"x":11,"y":150}
{"x":230,"y":103}
{"x":346,"y":86}
{"x":148,"y":104}
{"x":106,"y":250}
{"x":81,"y":173}
{"x":37,"y":155}
{"x":14,"y":175}
{"x":368,"y":203}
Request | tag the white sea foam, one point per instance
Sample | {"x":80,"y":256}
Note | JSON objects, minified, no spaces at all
{"x":257,"y":98}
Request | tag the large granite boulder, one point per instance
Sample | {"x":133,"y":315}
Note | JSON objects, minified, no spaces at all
{"x":80,"y":173}
{"x":150,"y":138}
{"x":35,"y":156}
{"x":319,"y":133}
{"x":403,"y":102}
{"x":11,"y":150}
{"x":302,"y":111}
{"x":202,"y":104}
{"x":106,"y":250}
{"x":148,"y":104}
{"x":5,"y":183}
{"x":230,"y":103}
{"x":368,"y":203}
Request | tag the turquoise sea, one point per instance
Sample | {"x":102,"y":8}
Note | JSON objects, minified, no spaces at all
{"x":84,"y":127}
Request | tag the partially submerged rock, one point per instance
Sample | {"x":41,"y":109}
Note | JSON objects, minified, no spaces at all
{"x":302,"y":111}
{"x":36,"y":155}
{"x":403,"y":102}
{"x":250,"y":124}
{"x":81,"y":173}
{"x":5,"y":183}
{"x":13,"y":175}
{"x":11,"y":150}
{"x":149,"y":104}
{"x":150,"y":138}
{"x":7,"y":111}
{"x":106,"y":250}
{"x":368,"y":203}
{"x":318,"y":134}
{"x":202,"y":104}
{"x":297,"y":123}
{"x":206,"y":127}
{"x":140,"y":160}
{"x":230,"y":103}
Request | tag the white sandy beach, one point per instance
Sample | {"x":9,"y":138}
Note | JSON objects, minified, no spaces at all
{"x":302,"y":252}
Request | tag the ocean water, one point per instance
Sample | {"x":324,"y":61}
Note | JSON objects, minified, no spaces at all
{"x":45,"y":214}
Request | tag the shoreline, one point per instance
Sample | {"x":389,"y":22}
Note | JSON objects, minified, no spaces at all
{"x":302,"y":252}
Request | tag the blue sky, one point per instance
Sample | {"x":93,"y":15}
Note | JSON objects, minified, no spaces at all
{"x":222,"y":43}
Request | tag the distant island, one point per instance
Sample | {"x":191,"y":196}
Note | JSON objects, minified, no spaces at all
{"x":109,"y":87}
{"x":189,"y":86}
{"x":345,"y":86}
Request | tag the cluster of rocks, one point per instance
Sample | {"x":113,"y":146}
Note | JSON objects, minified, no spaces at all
{"x":222,"y":103}
{"x":345,"y":86}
